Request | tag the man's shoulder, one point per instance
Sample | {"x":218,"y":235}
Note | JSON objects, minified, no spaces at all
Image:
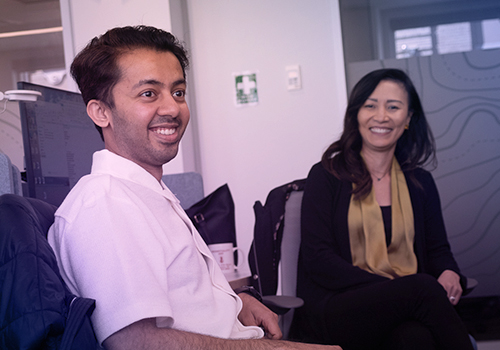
{"x":95,"y":191}
{"x":89,"y":192}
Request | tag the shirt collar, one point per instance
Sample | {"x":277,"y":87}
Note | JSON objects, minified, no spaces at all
{"x":107,"y":162}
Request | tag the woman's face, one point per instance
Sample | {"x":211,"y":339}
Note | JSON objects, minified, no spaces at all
{"x":383,"y":117}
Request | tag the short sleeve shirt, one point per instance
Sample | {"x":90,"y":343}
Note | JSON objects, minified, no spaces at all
{"x":122,"y":238}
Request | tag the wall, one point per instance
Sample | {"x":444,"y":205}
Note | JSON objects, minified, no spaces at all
{"x":84,"y":19}
{"x":255,"y":149}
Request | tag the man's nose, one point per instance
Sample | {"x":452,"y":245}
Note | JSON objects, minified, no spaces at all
{"x":168,"y":106}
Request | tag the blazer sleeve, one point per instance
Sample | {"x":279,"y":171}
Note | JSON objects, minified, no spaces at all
{"x":325,"y":248}
{"x":435,"y":251}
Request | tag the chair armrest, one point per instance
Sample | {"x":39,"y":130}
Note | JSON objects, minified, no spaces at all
{"x":281,"y":304}
{"x":471,"y":284}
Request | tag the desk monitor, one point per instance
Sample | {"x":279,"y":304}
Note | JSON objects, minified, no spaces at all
{"x":59,"y":140}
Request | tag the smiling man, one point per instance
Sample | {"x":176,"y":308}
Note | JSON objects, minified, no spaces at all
{"x":150,"y":113}
{"x":121,"y":237}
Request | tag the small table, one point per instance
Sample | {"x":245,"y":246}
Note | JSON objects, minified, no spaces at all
{"x":240,"y":277}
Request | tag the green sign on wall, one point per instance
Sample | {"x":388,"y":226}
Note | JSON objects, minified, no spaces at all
{"x":246,"y":88}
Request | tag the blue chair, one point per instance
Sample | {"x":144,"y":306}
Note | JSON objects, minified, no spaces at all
{"x":187,"y":187}
{"x":10,"y":177}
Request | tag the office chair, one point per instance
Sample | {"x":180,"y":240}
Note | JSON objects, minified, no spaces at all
{"x":10,"y":177}
{"x":290,"y":245}
{"x":36,"y":308}
{"x":187,"y":187}
{"x":273,"y":257}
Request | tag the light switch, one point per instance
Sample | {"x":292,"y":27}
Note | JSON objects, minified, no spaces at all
{"x":294,"y":81}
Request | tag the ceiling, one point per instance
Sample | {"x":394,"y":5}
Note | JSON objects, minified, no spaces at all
{"x":29,"y":53}
{"x":21,"y":15}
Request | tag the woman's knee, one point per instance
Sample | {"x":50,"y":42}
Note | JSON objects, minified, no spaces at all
{"x":422,"y":281}
{"x":410,"y":335}
{"x":425,"y":286}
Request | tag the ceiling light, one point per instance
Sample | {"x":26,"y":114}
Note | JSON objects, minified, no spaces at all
{"x":31,"y":32}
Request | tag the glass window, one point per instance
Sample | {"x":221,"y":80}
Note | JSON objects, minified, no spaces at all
{"x":446,"y":38}
{"x":383,"y":29}
{"x":491,"y":33}
{"x":413,"y":42}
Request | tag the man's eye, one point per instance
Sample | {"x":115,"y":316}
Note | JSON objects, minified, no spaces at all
{"x":147,"y":94}
{"x":180,"y":93}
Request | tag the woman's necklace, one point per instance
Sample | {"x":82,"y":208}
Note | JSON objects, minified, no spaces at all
{"x":380,"y":178}
{"x":383,"y":175}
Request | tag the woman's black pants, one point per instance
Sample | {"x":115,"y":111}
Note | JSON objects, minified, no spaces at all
{"x":406,"y":313}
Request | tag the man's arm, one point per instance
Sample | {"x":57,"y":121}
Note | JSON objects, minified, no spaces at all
{"x":146,"y":336}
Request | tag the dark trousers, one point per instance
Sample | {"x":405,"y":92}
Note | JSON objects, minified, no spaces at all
{"x":411,"y":312}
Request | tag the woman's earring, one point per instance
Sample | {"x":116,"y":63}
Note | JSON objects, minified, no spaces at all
{"x":407,"y":127}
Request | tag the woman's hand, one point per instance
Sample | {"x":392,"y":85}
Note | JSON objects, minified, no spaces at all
{"x":450,"y":281}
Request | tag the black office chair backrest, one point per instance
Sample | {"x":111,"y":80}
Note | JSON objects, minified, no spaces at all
{"x":265,"y":253}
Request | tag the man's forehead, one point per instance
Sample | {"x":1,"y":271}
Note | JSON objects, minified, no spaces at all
{"x":147,"y":66}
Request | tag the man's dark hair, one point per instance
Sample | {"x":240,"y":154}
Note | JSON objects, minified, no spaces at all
{"x":95,"y":68}
{"x":414,"y":148}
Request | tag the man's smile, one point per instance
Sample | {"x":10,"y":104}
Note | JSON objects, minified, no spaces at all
{"x":164,"y":131}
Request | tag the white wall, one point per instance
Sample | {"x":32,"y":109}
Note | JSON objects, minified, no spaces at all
{"x":84,"y":19}
{"x":255,"y":149}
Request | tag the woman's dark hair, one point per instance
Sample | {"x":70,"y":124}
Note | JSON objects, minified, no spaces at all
{"x":414,"y":148}
{"x":95,"y":68}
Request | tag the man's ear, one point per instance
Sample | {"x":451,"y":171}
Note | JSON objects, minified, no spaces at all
{"x":98,"y":112}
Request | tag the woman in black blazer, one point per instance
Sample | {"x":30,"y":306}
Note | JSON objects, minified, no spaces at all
{"x":375,"y":268}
